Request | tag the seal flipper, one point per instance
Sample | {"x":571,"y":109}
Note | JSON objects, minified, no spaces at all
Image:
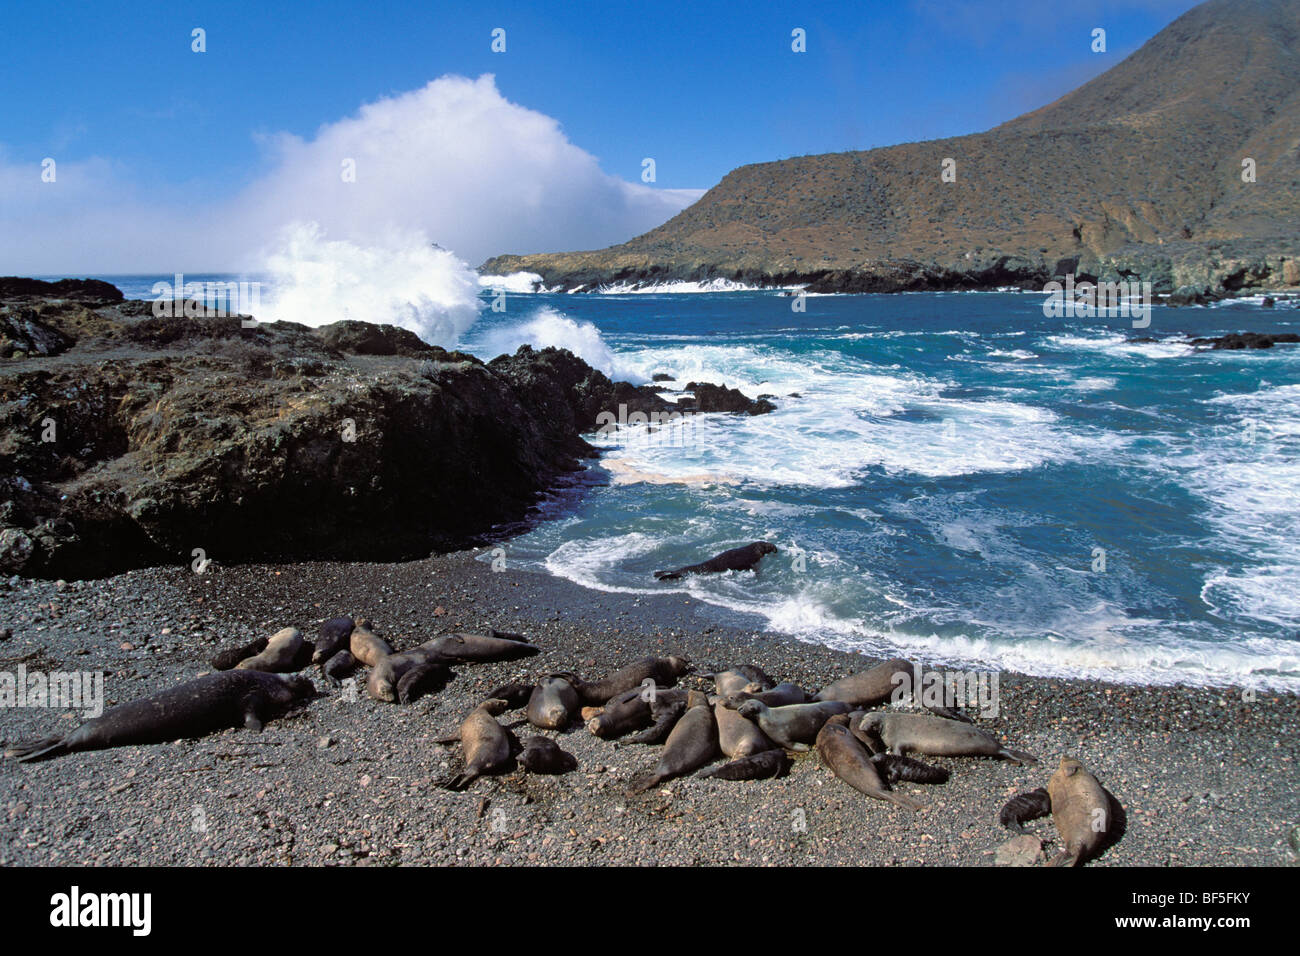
{"x":643,"y":782}
{"x":668,"y":575}
{"x":32,"y":751}
{"x":1018,"y":757}
{"x":950,"y":713}
{"x":461,"y":780}
{"x":1064,"y":858}
{"x":1024,"y":807}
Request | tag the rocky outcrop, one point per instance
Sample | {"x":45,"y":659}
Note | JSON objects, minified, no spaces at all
{"x":1247,"y":340}
{"x":140,"y":440}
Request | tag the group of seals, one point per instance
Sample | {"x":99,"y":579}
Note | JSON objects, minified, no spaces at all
{"x":737,"y":559}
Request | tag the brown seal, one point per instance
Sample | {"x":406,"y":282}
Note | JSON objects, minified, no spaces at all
{"x":747,"y":678}
{"x":543,"y":755}
{"x":867,"y":688}
{"x":692,"y":744}
{"x":387,"y":673}
{"x":482,"y":648}
{"x":737,"y":559}
{"x":849,"y":760}
{"x":280,"y":655}
{"x":488,"y":746}
{"x":663,"y":671}
{"x":229,"y":658}
{"x":631,"y":711}
{"x":552,"y":704}
{"x":739,"y":736}
{"x":782,"y":695}
{"x":1082,"y":812}
{"x":938,"y":736}
{"x":333,"y":636}
{"x":367,"y":646}
{"x":793,"y":726}
{"x":236,"y":698}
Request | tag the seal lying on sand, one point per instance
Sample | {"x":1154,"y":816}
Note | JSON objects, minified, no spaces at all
{"x":938,"y":736}
{"x":367,"y":646}
{"x":482,"y":648}
{"x":794,"y":726}
{"x":739,"y":736}
{"x":488,"y":746}
{"x":760,"y":766}
{"x":334,"y":635}
{"x":737,"y":559}
{"x":281,"y":653}
{"x":661,"y":670}
{"x":630,"y":711}
{"x":552,"y":703}
{"x":870,"y":687}
{"x":782,"y":695}
{"x":692,"y":744}
{"x":747,"y":678}
{"x":543,"y":755}
{"x":338,"y":667}
{"x":1087,"y":816}
{"x":246,"y":698}
{"x":849,"y":760}
{"x":665,"y":712}
{"x":515,"y":693}
{"x":225,"y":660}
{"x":387,"y":673}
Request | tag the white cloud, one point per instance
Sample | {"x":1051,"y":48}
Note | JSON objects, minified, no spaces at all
{"x":454,"y":161}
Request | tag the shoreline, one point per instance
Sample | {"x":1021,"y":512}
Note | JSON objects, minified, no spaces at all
{"x":356,"y":783}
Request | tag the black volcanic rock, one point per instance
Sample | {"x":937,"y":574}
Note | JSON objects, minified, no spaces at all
{"x":146,"y":438}
{"x":1247,"y":340}
{"x":83,"y":291}
{"x":719,"y":398}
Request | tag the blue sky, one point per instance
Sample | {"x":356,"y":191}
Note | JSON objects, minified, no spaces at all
{"x":702,"y":87}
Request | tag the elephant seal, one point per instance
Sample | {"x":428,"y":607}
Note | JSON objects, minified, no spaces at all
{"x":630,"y":711}
{"x":938,"y":736}
{"x":1081,"y":810}
{"x":227,"y":659}
{"x":338,"y":667}
{"x":333,"y":636}
{"x":282,"y":652}
{"x":552,"y":704}
{"x":849,"y":760}
{"x":236,"y":698}
{"x":662,"y":670}
{"x":482,"y":648}
{"x":488,"y":746}
{"x":367,"y":646}
{"x":543,"y":755}
{"x":515,"y":693}
{"x":692,"y":744}
{"x":782,"y":695}
{"x":870,"y":687}
{"x":665,"y":714}
{"x":759,"y":766}
{"x":893,"y":768}
{"x":1024,"y":807}
{"x":737,"y":559}
{"x":743,"y":679}
{"x":795,"y":725}
{"x":424,"y":678}
{"x":739,"y":736}
{"x":387,"y":673}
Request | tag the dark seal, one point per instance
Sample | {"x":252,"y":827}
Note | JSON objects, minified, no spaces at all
{"x":737,"y":559}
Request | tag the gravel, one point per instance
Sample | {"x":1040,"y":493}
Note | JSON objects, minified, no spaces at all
{"x":1206,"y":777}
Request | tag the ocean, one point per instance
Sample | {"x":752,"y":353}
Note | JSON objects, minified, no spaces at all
{"x":952,"y":477}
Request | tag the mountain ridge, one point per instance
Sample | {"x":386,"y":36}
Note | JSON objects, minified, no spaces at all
{"x":1135,"y":174}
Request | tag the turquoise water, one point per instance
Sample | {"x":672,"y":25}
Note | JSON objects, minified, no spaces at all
{"x":966,"y":480}
{"x":961,"y":479}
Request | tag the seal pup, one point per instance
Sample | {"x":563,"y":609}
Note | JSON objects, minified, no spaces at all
{"x":487,"y":745}
{"x":847,"y":759}
{"x":424,"y":678}
{"x":235,"y":698}
{"x":543,"y":755}
{"x":482,"y":648}
{"x":552,"y":703}
{"x":630,"y":711}
{"x":746,"y":678}
{"x":515,"y":693}
{"x":333,"y":636}
{"x":692,"y":744}
{"x":737,"y":559}
{"x":666,"y":713}
{"x":662,"y":671}
{"x":282,"y":652}
{"x":225,"y":660}
{"x":338,"y":667}
{"x":761,"y":766}
{"x":867,"y":688}
{"x":367,"y":646}
{"x":938,"y":736}
{"x":1024,"y":807}
{"x":795,"y":725}
{"x":739,"y":736}
{"x":782,"y":695}
{"x":1081,"y":811}
{"x":893,"y":768}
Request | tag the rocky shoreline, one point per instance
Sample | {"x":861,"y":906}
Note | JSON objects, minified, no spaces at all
{"x":1205,"y":776}
{"x":129,"y":439}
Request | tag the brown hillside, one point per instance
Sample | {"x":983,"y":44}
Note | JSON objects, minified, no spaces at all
{"x":1136,"y":172}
